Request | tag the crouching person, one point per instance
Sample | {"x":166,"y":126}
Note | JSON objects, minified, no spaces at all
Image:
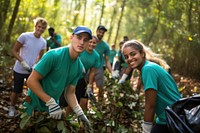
{"x":58,"y":71}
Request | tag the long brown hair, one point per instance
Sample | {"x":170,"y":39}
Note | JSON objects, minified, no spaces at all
{"x":149,"y":54}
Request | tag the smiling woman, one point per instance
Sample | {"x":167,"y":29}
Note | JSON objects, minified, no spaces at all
{"x":148,"y":54}
{"x":159,"y":86}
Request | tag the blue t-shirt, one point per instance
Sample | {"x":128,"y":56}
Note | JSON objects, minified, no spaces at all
{"x":157,"y":78}
{"x":58,"y":71}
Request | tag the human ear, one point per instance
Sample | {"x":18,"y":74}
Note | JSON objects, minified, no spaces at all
{"x":70,"y":37}
{"x":143,"y":54}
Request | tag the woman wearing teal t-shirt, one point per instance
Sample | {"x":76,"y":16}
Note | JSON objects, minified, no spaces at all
{"x":159,"y":86}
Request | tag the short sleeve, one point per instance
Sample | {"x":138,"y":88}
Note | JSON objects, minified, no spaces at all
{"x":149,"y":78}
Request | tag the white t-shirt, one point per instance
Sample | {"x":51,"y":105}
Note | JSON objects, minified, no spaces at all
{"x":29,"y":51}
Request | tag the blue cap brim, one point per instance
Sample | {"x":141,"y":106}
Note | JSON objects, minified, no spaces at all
{"x":83,"y":31}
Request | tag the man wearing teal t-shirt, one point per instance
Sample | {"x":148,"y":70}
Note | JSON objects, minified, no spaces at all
{"x":58,"y":71}
{"x":104,"y":51}
{"x":90,"y":59}
{"x":54,"y":40}
{"x":113,"y":53}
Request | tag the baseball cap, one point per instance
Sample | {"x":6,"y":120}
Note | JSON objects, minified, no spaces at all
{"x":101,"y":27}
{"x":81,"y":29}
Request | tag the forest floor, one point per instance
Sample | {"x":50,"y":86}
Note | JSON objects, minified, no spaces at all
{"x":187,"y":86}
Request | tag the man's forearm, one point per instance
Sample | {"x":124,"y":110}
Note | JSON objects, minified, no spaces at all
{"x":36,"y":88}
{"x":70,"y":97}
{"x":149,"y":114}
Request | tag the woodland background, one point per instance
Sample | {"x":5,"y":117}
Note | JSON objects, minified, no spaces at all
{"x":168,"y":27}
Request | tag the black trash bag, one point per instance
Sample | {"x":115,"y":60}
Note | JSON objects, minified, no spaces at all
{"x":184,"y":115}
{"x":193,"y":118}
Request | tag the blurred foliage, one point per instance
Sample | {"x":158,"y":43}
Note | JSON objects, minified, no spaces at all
{"x":120,"y":110}
{"x":40,"y":123}
{"x":169,"y":27}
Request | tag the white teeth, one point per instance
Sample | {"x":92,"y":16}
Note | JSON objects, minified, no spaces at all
{"x":132,"y":62}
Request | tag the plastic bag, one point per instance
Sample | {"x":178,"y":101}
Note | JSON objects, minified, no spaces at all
{"x":184,"y":115}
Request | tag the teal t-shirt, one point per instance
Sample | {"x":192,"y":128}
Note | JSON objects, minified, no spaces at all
{"x":112,"y":55}
{"x":58,"y":71}
{"x":122,"y":59}
{"x":90,"y":60}
{"x":104,"y":50}
{"x":51,"y":44}
{"x":155,"y":77}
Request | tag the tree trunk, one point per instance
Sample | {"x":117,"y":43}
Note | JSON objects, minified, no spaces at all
{"x":190,"y":16}
{"x":120,"y":19}
{"x":77,"y":12}
{"x":4,"y":5}
{"x":111,"y":23}
{"x":84,"y":12}
{"x":102,"y":12}
{"x":12,"y":21}
{"x":155,"y":27}
{"x":56,"y":6}
{"x":198,"y":10}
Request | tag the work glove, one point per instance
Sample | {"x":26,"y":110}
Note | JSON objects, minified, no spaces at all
{"x":81,"y":116}
{"x":26,"y":66}
{"x":147,"y":126}
{"x":55,"y":111}
{"x":123,"y":78}
{"x":114,"y":62}
{"x":33,"y":66}
{"x":89,"y":91}
{"x":115,"y":74}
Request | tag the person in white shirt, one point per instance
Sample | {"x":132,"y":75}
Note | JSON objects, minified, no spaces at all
{"x":28,"y":49}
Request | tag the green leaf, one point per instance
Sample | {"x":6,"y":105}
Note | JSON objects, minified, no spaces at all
{"x":60,"y":125}
{"x":43,"y":129}
{"x":51,"y":124}
{"x":23,"y":115}
{"x":24,"y":121}
{"x":120,"y":104}
{"x":39,"y":119}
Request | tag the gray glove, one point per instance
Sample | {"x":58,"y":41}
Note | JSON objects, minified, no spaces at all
{"x":147,"y":126}
{"x":85,"y":120}
{"x":79,"y":112}
{"x":26,"y":66}
{"x":123,"y":78}
{"x":55,"y":111}
{"x":115,"y":74}
{"x":89,"y":91}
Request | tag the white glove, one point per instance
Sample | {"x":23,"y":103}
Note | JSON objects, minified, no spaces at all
{"x":89,"y":88}
{"x":114,"y":62}
{"x":54,"y":109}
{"x":26,"y":66}
{"x":123,"y":78}
{"x":89,"y":92}
{"x":146,"y":127}
{"x":115,"y":74}
{"x":33,"y":66}
{"x":79,"y":112}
